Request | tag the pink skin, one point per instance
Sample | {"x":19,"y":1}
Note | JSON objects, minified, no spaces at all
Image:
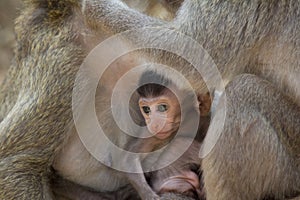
{"x":188,"y":179}
{"x":163,"y":114}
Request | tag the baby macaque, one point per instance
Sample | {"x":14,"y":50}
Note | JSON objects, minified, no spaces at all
{"x":162,"y":113}
{"x":183,"y":176}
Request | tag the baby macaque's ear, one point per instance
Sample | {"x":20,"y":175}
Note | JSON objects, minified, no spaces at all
{"x":204,"y":104}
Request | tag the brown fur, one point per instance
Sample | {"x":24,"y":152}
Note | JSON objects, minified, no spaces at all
{"x":258,"y":152}
{"x":36,"y":115}
{"x":65,"y":189}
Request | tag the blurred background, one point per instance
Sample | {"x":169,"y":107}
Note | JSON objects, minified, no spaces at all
{"x":9,"y":10}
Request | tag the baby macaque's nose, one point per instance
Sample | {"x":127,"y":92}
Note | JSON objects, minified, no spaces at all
{"x":157,"y":125}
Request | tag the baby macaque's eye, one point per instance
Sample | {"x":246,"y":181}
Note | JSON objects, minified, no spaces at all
{"x":162,"y":108}
{"x":146,"y":109}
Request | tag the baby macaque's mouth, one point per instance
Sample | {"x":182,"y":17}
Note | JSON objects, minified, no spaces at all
{"x":162,"y":133}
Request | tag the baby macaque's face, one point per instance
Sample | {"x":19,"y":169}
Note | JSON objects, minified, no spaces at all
{"x":162,"y":114}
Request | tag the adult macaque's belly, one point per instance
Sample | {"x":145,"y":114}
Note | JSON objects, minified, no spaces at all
{"x":76,"y":164}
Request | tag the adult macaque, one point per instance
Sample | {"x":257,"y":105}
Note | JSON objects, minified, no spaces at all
{"x":36,"y":115}
{"x":65,"y":190}
{"x":257,"y":154}
{"x":181,"y":177}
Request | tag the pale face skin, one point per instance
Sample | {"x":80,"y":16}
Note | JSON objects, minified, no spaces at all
{"x":162,"y":114}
